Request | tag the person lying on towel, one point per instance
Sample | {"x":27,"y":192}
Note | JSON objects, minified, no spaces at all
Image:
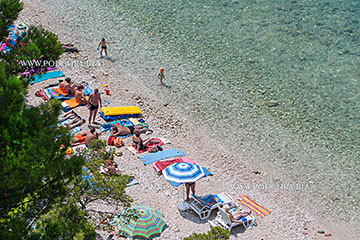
{"x":235,"y":216}
{"x":66,"y":116}
{"x":65,"y":86}
{"x":139,"y":143}
{"x":123,"y":131}
{"x":76,"y":122}
{"x":79,"y":96}
{"x":85,"y":138}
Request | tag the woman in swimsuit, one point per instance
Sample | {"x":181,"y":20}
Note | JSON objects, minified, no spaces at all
{"x":103,"y":46}
{"x":188,"y":186}
{"x":236,"y":215}
{"x":141,"y":144}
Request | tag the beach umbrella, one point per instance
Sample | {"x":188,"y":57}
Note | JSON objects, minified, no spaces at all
{"x":183,"y":172}
{"x":139,"y":222}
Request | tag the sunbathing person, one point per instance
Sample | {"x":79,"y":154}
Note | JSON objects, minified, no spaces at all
{"x":139,"y":143}
{"x":73,"y":123}
{"x":65,"y":86}
{"x":123,"y":131}
{"x":66,"y":116}
{"x":236,"y":215}
{"x":79,"y":96}
{"x":91,"y":135}
{"x":113,"y":170}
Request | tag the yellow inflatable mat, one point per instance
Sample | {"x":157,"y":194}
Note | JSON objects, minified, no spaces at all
{"x":115,"y":111}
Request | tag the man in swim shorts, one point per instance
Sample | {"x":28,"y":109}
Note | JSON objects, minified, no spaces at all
{"x":65,"y":86}
{"x":93,"y":103}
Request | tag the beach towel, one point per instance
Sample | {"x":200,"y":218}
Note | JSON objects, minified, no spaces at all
{"x":57,"y":93}
{"x":132,"y":181}
{"x":117,"y":117}
{"x":154,"y":157}
{"x":149,"y":147}
{"x":256,"y":207}
{"x":75,"y":130}
{"x":45,"y":76}
{"x":125,"y":110}
{"x":123,"y":122}
{"x":69,"y":104}
{"x":161,"y":165}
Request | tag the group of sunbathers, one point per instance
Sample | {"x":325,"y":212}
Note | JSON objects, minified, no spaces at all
{"x":73,"y":89}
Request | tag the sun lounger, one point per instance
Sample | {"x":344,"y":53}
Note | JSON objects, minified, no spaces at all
{"x":223,"y":220}
{"x":204,"y":205}
{"x":161,"y":165}
{"x":154,"y":157}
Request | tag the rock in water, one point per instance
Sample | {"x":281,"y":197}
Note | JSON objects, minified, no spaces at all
{"x":271,"y":103}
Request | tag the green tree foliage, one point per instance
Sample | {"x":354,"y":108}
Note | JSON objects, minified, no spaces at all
{"x":216,"y":233}
{"x":38,"y":45}
{"x":9,"y":11}
{"x":110,"y":187}
{"x":56,"y":225}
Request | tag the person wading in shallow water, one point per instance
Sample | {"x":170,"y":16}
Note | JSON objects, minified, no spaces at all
{"x":93,"y":103}
{"x":103,"y":46}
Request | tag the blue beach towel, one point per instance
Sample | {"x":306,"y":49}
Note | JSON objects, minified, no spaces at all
{"x":45,"y":76}
{"x":154,"y":157}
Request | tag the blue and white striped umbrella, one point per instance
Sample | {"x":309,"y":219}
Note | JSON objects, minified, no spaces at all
{"x":183,"y":172}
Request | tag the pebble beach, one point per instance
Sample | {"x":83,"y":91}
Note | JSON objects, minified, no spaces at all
{"x":262,"y":164}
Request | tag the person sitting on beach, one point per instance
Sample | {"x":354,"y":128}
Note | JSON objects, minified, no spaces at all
{"x":113,"y":169}
{"x":91,"y":135}
{"x":123,"y":131}
{"x":139,"y":143}
{"x":79,"y":96}
{"x":188,"y":186}
{"x":236,"y":215}
{"x":103,"y":46}
{"x":161,"y":75}
{"x":65,"y":86}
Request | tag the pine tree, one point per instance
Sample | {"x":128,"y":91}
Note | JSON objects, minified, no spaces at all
{"x":9,"y":12}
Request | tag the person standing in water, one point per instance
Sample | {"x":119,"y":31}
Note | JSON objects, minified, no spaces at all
{"x":103,"y":46}
{"x":161,"y":75}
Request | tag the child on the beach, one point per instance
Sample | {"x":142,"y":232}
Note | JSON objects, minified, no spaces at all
{"x":161,"y":75}
{"x":103,"y":46}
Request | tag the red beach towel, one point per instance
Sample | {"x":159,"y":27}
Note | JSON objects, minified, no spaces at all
{"x":161,"y":165}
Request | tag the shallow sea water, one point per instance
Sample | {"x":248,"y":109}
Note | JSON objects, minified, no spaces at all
{"x":226,"y":61}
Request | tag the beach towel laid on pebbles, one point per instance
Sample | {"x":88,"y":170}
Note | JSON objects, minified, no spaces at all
{"x":149,"y":146}
{"x":123,"y":122}
{"x":115,"y":113}
{"x":161,"y":165}
{"x":154,"y":157}
{"x":45,"y":76}
{"x":69,"y":104}
{"x":56,"y":92}
{"x":256,"y":207}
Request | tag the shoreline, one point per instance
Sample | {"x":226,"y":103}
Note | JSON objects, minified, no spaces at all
{"x":167,"y":122}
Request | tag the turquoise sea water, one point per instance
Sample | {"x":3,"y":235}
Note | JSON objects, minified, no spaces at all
{"x":226,"y":61}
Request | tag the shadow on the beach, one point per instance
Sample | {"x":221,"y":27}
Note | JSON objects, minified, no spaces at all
{"x":165,"y":85}
{"x":111,"y":59}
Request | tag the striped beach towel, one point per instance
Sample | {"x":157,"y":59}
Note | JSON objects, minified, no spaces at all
{"x":257,"y":208}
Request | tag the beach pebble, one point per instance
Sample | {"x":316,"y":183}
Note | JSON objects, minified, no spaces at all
{"x":271,"y":103}
{"x":321,"y":231}
{"x":327,"y":235}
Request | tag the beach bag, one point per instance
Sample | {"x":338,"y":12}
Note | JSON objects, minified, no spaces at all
{"x":110,"y":141}
{"x":118,"y":142}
